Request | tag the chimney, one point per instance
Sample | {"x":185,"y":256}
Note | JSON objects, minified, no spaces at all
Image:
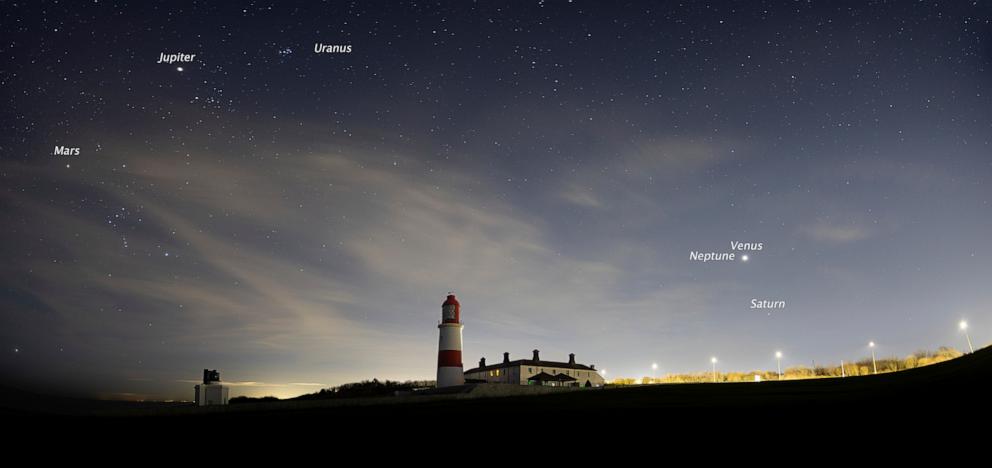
{"x":506,"y":358}
{"x":536,"y":356}
{"x":571,"y":358}
{"x":482,"y":362}
{"x":592,"y":366}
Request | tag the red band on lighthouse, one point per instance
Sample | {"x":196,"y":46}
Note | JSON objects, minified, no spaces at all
{"x":449,"y":358}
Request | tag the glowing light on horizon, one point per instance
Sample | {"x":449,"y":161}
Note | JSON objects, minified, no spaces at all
{"x":964,"y":327}
{"x":874,"y":368}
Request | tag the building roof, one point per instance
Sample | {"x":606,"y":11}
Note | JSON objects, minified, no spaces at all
{"x":532,"y":363}
{"x":546,"y":377}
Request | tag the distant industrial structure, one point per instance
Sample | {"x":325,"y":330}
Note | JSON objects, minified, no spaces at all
{"x":520,"y":372}
{"x":211,"y":391}
{"x":536,"y":372}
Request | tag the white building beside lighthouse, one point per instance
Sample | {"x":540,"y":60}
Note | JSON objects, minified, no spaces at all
{"x":449,"y":353}
{"x":536,"y":371}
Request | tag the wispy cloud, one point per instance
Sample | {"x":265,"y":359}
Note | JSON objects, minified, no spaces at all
{"x":823,"y":232}
{"x":234,"y":383}
{"x":580,"y":196}
{"x":334,"y":265}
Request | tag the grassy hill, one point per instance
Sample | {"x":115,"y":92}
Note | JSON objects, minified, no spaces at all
{"x":956,"y":385}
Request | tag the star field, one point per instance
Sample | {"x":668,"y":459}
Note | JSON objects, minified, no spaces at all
{"x":294,"y":218}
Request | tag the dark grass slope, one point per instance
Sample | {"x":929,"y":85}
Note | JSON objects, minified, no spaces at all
{"x":958,"y":386}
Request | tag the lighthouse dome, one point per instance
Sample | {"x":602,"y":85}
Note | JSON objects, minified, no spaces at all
{"x":451,"y":310}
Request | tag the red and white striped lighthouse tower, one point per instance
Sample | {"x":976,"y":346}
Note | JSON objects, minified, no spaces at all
{"x":449,"y":350}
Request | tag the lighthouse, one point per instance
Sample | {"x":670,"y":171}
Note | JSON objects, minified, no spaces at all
{"x":449,"y":353}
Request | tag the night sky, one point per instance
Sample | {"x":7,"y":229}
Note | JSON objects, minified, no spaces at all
{"x":295,"y":219}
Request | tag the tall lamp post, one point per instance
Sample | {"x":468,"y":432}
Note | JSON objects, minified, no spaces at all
{"x":874,"y":368}
{"x":778,"y":357}
{"x":964,"y":327}
{"x":713,"y":362}
{"x":654,"y":370}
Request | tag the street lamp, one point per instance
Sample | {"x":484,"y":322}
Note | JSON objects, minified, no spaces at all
{"x":964,"y":327}
{"x":654,"y":369}
{"x":874,"y":369}
{"x":713,"y":362}
{"x":778,"y":357}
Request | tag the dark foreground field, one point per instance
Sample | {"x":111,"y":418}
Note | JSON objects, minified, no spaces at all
{"x":958,"y":388}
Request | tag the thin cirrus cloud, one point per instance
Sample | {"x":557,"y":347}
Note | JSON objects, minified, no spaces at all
{"x":332,"y":265}
{"x":581,"y":196}
{"x":834,"y":233}
{"x":234,"y":383}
